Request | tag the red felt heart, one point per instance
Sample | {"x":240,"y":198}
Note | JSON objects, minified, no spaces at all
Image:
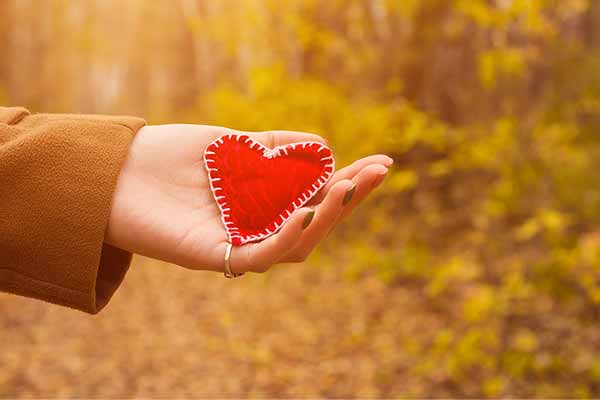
{"x":257,"y":188}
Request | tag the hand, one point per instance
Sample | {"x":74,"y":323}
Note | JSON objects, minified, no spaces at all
{"x":163,"y":206}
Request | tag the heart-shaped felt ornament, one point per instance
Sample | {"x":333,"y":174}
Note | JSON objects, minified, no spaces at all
{"x":257,"y":188}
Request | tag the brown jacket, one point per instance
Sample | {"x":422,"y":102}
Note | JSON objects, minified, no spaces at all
{"x":57,"y":177}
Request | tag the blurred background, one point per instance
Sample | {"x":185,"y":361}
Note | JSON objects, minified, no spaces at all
{"x":473,"y":271}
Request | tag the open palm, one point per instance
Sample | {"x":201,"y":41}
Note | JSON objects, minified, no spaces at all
{"x":163,"y":206}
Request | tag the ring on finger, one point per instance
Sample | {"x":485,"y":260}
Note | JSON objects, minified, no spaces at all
{"x":228,"y":272}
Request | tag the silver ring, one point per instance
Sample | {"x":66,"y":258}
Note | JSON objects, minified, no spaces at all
{"x":228,"y":273}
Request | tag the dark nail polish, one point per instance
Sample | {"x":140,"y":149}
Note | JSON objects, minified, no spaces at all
{"x":308,"y":218}
{"x":348,"y":195}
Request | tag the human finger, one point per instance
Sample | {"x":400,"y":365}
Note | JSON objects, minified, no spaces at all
{"x":326,"y":214}
{"x":366,"y":180}
{"x":350,"y":171}
{"x":259,"y":257}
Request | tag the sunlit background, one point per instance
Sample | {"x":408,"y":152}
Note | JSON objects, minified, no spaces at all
{"x":473,"y":271}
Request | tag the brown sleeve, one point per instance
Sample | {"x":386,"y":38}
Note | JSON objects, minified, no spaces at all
{"x":57,"y":177}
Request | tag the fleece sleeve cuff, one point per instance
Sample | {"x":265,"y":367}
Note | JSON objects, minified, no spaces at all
{"x":57,"y":177}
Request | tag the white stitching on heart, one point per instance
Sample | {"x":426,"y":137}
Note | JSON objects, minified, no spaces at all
{"x":302,"y":199}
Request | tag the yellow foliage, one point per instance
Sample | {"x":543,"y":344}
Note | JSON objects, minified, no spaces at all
{"x":503,"y":63}
{"x":473,"y":270}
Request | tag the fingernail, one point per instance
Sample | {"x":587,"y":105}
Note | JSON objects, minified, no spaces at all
{"x":390,"y":161}
{"x":349,"y":194}
{"x":377,"y":181}
{"x":309,"y":217}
